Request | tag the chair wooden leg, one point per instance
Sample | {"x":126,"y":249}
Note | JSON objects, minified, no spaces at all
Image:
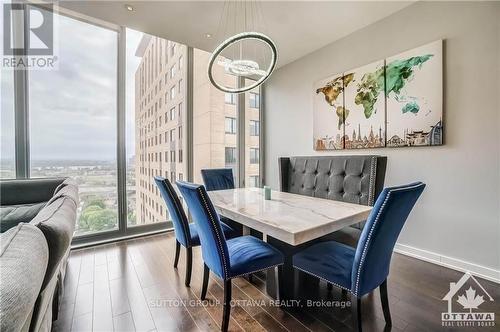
{"x":226,"y":305}
{"x":177,"y":253}
{"x":206,"y":274}
{"x":189,"y":265}
{"x":385,"y":303}
{"x":356,"y":313}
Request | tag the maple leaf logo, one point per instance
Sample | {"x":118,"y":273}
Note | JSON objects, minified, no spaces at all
{"x":470,"y":300}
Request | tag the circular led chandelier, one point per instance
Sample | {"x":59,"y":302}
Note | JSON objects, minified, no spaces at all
{"x":243,"y":66}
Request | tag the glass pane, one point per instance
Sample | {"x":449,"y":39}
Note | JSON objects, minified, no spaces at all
{"x":73,"y":121}
{"x":7,"y":130}
{"x":155,"y":123}
{"x":252,"y":137}
{"x":215,"y":125}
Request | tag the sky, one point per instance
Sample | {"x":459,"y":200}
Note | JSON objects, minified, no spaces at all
{"x":73,"y":108}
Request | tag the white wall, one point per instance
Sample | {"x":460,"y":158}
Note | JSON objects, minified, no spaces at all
{"x":457,"y":219}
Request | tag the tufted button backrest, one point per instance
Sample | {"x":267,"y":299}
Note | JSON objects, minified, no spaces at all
{"x":352,"y":179}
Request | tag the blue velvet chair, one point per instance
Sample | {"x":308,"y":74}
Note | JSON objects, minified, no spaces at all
{"x":186,"y":234}
{"x":221,"y":179}
{"x":227,"y":259}
{"x":360,"y":270}
{"x":218,"y":178}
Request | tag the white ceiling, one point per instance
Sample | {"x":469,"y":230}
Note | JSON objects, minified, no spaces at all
{"x":297,"y":27}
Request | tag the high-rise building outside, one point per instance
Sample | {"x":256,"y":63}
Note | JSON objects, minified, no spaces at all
{"x":160,"y":105}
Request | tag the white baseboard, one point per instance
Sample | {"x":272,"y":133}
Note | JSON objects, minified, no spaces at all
{"x":449,"y":262}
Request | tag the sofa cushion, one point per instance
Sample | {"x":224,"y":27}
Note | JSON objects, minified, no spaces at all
{"x":57,"y":222}
{"x":24,"y":257}
{"x":12,"y":215}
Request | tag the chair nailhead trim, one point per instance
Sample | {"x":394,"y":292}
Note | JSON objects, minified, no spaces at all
{"x":363,"y":255}
{"x":219,"y":242}
{"x":317,"y":276}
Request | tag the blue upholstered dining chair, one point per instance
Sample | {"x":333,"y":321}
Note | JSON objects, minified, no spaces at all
{"x":227,"y":259}
{"x":221,"y":179}
{"x":360,"y":270}
{"x":186,"y":234}
{"x":218,"y":178}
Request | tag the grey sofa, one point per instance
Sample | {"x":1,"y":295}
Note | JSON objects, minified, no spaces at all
{"x":353,"y":179}
{"x":38,"y":219}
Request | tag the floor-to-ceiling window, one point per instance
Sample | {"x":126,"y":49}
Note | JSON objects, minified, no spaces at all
{"x":156,"y":76}
{"x":73,"y":117}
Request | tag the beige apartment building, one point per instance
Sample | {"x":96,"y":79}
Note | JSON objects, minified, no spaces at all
{"x":160,"y":93}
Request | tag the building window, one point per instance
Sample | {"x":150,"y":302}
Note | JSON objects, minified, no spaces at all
{"x":254,"y":156}
{"x":172,"y":49}
{"x":230,"y":125}
{"x":254,"y":128}
{"x":181,"y":64}
{"x":172,"y":156}
{"x":172,"y":92}
{"x":180,"y":132}
{"x":172,"y":113}
{"x":172,"y":136}
{"x":180,"y":156}
{"x":181,"y":177}
{"x":230,"y":98}
{"x":254,"y":99}
{"x":172,"y":177}
{"x":180,"y":111}
{"x":230,"y":155}
{"x":180,"y":86}
{"x":253,"y":181}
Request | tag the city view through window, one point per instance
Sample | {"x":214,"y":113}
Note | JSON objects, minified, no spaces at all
{"x":74,"y":132}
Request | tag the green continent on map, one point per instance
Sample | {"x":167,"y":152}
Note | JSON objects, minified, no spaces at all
{"x":397,"y":74}
{"x":369,"y":89}
{"x":411,"y":107}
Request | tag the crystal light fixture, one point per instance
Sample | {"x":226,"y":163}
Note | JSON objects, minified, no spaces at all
{"x":243,"y":65}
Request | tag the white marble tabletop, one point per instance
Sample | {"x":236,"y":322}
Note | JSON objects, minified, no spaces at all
{"x":291,"y":218}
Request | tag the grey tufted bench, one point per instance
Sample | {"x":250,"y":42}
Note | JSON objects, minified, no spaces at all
{"x":353,"y":179}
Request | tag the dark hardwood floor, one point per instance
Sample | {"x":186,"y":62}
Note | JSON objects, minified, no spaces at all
{"x":132,"y":286}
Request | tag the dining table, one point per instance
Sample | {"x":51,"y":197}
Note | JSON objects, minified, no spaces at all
{"x":289,"y":222}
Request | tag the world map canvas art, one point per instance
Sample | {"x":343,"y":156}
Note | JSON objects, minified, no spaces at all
{"x":392,"y":102}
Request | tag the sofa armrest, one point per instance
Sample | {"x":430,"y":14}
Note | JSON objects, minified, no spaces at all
{"x":27,"y":191}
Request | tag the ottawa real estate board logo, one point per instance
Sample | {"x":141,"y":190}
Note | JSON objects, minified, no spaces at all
{"x":468,"y":294}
